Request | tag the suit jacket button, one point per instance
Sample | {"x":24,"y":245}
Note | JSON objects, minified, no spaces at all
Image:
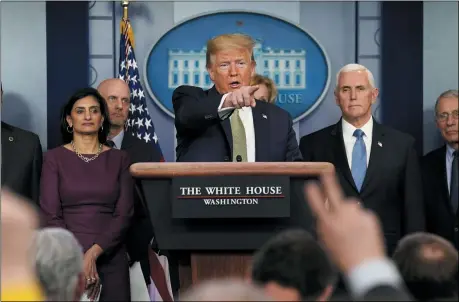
{"x":208,"y":117}
{"x":226,"y":158}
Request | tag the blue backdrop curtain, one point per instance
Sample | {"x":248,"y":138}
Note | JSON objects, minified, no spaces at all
{"x":67,"y":42}
{"x":402,"y":67}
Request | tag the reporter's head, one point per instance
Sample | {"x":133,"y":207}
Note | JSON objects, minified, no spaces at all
{"x":59,"y":264}
{"x":230,"y":61}
{"x":429,"y":266}
{"x":18,"y":222}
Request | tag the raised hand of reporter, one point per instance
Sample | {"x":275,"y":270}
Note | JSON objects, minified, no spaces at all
{"x":351,"y":234}
{"x":242,"y":97}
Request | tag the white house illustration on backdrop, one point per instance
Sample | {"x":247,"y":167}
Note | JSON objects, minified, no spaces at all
{"x":286,"y":67}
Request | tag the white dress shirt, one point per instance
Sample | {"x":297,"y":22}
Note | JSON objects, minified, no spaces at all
{"x":350,"y":139}
{"x":118,"y":140}
{"x":247,"y":120}
{"x":372,"y":273}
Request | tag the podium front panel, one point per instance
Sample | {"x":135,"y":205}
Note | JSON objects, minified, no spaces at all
{"x":220,"y":233}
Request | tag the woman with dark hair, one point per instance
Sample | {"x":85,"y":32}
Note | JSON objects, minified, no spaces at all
{"x":87,"y":189}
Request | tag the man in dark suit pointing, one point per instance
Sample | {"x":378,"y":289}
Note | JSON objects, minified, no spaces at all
{"x":375,"y":163}
{"x":226,"y":123}
{"x":21,"y":161}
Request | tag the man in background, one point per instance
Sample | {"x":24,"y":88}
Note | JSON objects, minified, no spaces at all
{"x":429,"y":266}
{"x":292,"y":266}
{"x":117,"y":96}
{"x":374,"y":163}
{"x":116,"y":93}
{"x":59,"y":264}
{"x":22,"y":159}
{"x":440,"y":172}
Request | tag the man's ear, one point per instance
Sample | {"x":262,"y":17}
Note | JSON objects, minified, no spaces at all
{"x":335,"y":93}
{"x":254,"y":67}
{"x":374,"y":95}
{"x":211,"y":73}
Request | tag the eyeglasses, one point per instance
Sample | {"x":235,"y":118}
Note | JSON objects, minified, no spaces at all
{"x":445,"y":115}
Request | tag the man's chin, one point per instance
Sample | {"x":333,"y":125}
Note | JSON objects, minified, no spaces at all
{"x":117,"y":124}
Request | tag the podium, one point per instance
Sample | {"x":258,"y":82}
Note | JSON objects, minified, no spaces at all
{"x":211,"y":217}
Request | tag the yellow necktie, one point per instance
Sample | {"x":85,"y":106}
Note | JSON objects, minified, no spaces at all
{"x":239,"y":139}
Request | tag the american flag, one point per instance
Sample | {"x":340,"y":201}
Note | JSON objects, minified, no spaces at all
{"x":139,"y":122}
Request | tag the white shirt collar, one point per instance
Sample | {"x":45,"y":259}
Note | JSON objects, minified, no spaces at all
{"x":449,"y":151}
{"x":118,"y":139}
{"x":348,"y":129}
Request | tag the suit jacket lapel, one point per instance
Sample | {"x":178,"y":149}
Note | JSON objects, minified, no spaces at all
{"x":444,"y":179}
{"x":8,"y":139}
{"x":225,"y":123}
{"x":340,"y":156}
{"x":261,"y":129}
{"x":128,"y":141}
{"x":376,"y":154}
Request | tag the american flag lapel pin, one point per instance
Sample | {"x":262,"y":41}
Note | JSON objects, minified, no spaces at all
{"x":264,"y":116}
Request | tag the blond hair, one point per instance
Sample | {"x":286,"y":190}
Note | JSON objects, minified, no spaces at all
{"x":228,"y":41}
{"x":262,"y":80}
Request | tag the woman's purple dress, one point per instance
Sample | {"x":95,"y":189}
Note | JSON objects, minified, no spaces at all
{"x":94,"y":201}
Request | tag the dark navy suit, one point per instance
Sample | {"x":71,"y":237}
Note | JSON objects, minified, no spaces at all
{"x":441,"y":219}
{"x":392,"y":187}
{"x":202,"y":136}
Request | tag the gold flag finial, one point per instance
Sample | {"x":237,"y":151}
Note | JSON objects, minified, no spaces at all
{"x":125,"y":24}
{"x":125,"y":5}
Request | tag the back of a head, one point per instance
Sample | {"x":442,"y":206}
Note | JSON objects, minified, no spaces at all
{"x":294,"y":259}
{"x":224,"y":290}
{"x":58,"y":262}
{"x":429,"y":266}
{"x":227,"y":42}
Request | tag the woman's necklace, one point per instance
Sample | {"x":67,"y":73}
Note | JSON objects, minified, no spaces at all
{"x":84,"y":158}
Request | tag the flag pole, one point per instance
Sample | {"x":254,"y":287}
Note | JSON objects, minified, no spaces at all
{"x":125,"y":5}
{"x":125,"y":24}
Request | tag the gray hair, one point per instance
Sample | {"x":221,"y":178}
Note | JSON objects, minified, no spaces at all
{"x":225,"y":290}
{"x":356,"y":67}
{"x":58,"y":262}
{"x":451,"y":93}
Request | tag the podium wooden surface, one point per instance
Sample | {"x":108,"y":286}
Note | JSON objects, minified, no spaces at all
{"x":203,"y":265}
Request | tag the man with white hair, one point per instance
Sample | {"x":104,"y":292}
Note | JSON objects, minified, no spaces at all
{"x":374,"y":163}
{"x":59,"y":264}
{"x":440,"y":171}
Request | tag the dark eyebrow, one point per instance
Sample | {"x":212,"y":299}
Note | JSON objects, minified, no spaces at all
{"x":91,"y":107}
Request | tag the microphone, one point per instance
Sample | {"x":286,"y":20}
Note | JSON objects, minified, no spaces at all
{"x":238,"y":158}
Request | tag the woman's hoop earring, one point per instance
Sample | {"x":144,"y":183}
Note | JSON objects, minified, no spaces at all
{"x":69,"y":129}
